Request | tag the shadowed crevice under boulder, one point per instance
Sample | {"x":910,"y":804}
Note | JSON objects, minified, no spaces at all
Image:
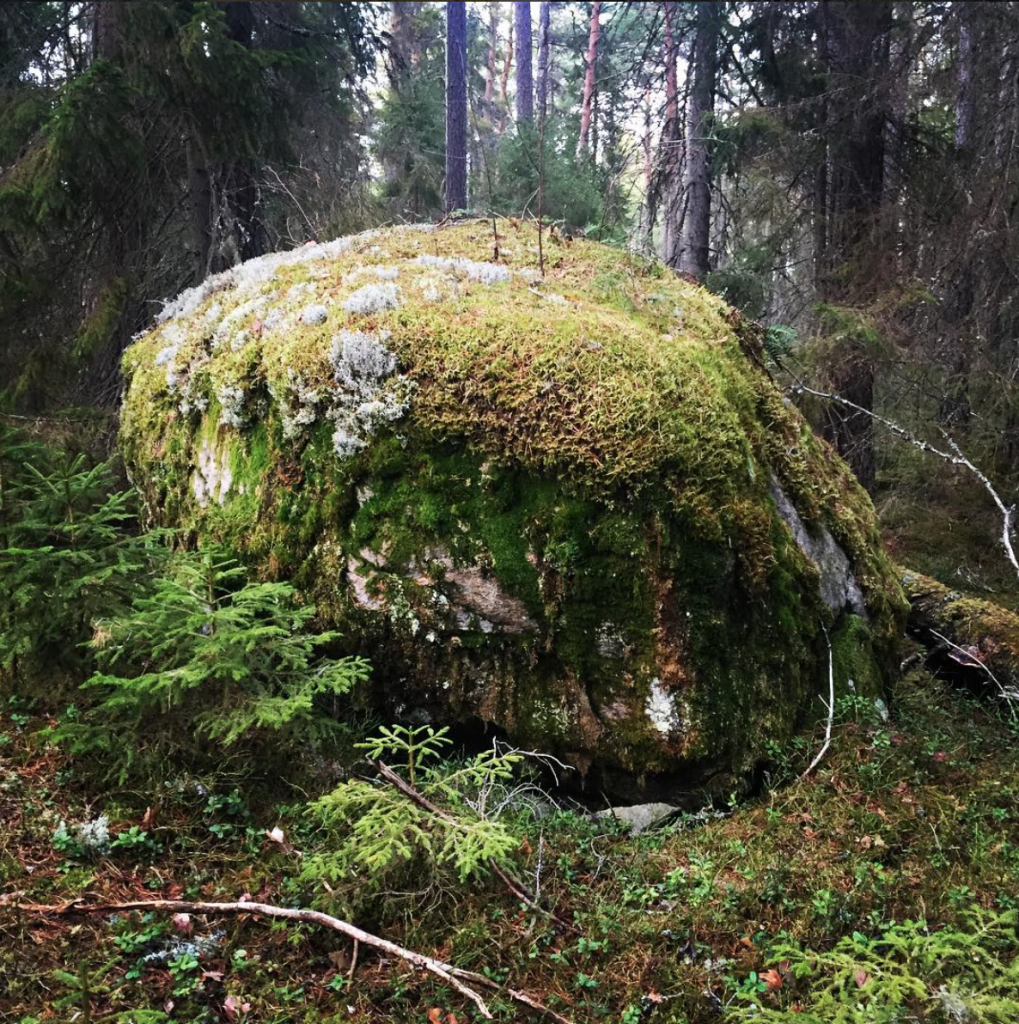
{"x":568,"y":505}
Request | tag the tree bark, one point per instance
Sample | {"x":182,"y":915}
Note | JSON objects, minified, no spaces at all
{"x":200,"y":206}
{"x":966,"y":95}
{"x":694,"y":253}
{"x":525,"y":77}
{"x":456,"y":106}
{"x":401,"y":41}
{"x":671,"y":180}
{"x":106,"y":37}
{"x":507,"y":66}
{"x":857,"y":36}
{"x":493,"y":47}
{"x":544,"y":59}
{"x":587,"y":101}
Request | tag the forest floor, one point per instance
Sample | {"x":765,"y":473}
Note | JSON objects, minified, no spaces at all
{"x":887,"y":882}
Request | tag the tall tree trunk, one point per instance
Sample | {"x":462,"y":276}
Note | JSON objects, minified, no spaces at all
{"x":106,"y":38}
{"x":671,"y":182}
{"x":525,"y":78}
{"x":402,"y":43}
{"x":200,"y":205}
{"x":544,"y":59}
{"x":587,"y":101}
{"x":493,"y":47}
{"x":694,"y":253}
{"x":900,"y":59}
{"x":242,"y":230}
{"x":858,"y":36}
{"x":456,"y":106}
{"x":507,"y":66}
{"x":966,"y":95}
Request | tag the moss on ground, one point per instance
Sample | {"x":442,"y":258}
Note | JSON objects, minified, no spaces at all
{"x":372,"y":416}
{"x":912,"y":819}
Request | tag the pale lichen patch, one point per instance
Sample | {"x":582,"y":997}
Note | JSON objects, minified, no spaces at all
{"x":661,"y":709}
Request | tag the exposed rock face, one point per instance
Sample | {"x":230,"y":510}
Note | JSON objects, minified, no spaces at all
{"x":566,"y":505}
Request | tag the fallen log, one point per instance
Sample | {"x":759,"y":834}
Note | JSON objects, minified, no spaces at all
{"x":977,"y":638}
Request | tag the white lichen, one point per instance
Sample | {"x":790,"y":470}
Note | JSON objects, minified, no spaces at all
{"x":371,"y":394}
{"x":231,"y":401}
{"x":660,"y":708}
{"x":213,"y":477}
{"x":486,"y":273}
{"x":255,"y":274}
{"x":373,"y":298}
{"x":387,"y":273}
{"x":314,"y":314}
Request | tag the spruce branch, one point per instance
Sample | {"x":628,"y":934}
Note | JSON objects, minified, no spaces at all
{"x":514,"y":884}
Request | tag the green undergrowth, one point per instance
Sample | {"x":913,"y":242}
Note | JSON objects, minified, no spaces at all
{"x":881,"y":889}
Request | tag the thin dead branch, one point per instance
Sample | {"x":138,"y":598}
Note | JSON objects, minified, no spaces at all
{"x":1007,"y":512}
{"x":831,"y":709}
{"x":454,"y":976}
{"x":518,"y":888}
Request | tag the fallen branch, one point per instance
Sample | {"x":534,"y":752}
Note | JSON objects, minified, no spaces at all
{"x":515,"y":885}
{"x":831,"y":708}
{"x":454,"y":976}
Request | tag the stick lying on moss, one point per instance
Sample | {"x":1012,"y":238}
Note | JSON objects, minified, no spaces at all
{"x":447,"y":972}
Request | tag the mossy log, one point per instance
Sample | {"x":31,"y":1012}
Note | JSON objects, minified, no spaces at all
{"x":555,"y":494}
{"x":975,"y":639}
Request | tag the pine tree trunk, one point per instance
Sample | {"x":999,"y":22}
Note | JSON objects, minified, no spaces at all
{"x":671,"y":181}
{"x":544,"y":59}
{"x":507,"y":66}
{"x":242,"y":231}
{"x":456,"y":106}
{"x":966,"y":96}
{"x":857,"y":46}
{"x":694,"y":253}
{"x":525,"y":78}
{"x":200,"y":206}
{"x":493,"y":47}
{"x":587,"y":101}
{"x":401,"y":41}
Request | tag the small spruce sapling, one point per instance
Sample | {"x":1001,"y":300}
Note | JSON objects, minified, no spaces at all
{"x":375,"y":831}
{"x":207,"y":655}
{"x":68,"y":553}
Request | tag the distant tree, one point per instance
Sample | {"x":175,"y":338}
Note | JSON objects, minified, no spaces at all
{"x":670,"y":181}
{"x":544,"y":59}
{"x":493,"y":51}
{"x":456,"y":107}
{"x":694,"y":249}
{"x":525,"y":78}
{"x":587,"y":100}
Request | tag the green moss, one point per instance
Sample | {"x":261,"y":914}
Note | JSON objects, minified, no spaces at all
{"x":853,"y":659}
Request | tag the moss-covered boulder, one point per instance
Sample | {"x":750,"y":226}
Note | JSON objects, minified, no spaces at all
{"x":570,"y":504}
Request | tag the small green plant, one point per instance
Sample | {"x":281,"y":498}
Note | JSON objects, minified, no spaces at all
{"x":374,"y":829}
{"x":184,"y":971}
{"x":906,"y":971}
{"x":68,"y":554}
{"x":136,"y":841}
{"x":208,"y":657}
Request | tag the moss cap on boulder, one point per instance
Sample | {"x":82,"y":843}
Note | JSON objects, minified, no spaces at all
{"x":568,"y":504}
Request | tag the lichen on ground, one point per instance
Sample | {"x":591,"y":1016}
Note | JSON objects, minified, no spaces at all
{"x":455,"y":444}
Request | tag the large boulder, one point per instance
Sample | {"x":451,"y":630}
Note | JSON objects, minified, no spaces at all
{"x":570,"y":504}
